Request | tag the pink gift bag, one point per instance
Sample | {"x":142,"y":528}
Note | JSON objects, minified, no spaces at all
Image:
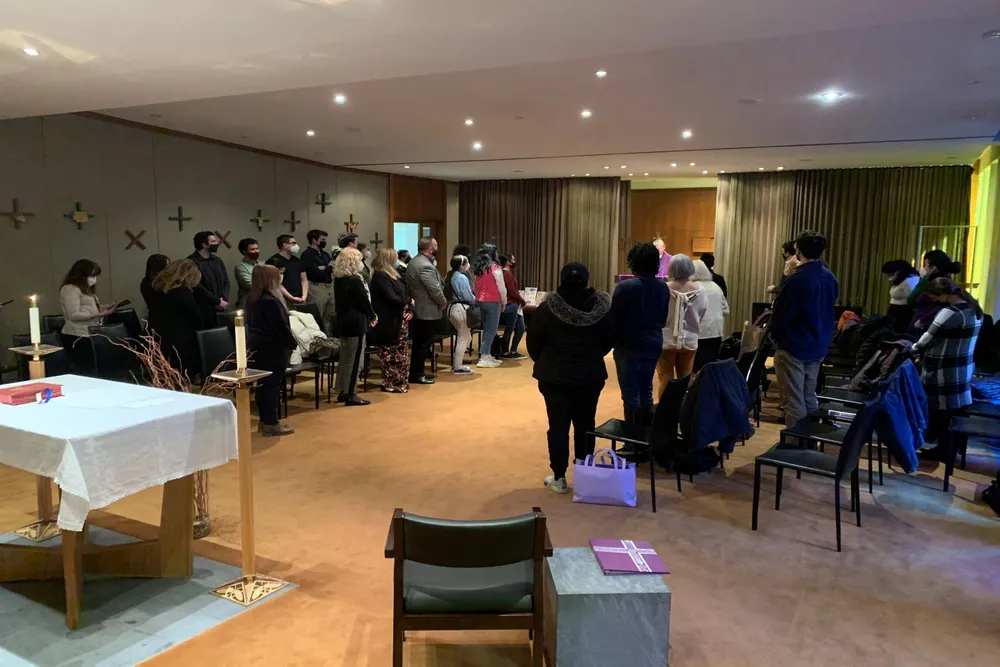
{"x":604,"y":483}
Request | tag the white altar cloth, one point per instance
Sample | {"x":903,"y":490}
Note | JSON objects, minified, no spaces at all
{"x":102,"y":441}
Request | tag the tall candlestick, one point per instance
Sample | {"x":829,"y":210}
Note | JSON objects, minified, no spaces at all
{"x":241,"y":343}
{"x":33,"y":321}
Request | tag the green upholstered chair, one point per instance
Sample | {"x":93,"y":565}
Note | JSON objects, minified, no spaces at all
{"x":467,"y":575}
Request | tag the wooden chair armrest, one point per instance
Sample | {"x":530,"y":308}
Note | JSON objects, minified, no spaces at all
{"x":390,"y":538}
{"x":547,"y":547}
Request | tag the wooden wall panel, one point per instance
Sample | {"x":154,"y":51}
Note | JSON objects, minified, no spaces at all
{"x":420,"y":200}
{"x":680,"y":216}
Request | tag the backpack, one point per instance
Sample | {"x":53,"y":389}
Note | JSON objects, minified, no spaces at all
{"x":730,"y":347}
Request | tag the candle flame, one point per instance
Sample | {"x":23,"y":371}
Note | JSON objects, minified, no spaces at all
{"x":34,"y":299}
{"x":239,"y":313}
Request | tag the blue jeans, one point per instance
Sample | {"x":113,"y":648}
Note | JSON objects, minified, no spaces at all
{"x":513,"y":325}
{"x":491,"y":320}
{"x":635,"y":377}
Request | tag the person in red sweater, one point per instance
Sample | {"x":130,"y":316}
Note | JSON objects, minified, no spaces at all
{"x":513,"y":314}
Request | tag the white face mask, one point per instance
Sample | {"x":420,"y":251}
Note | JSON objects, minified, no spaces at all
{"x":361,"y":266}
{"x":923,"y":271}
{"x":294,"y":249}
{"x":91,"y":280}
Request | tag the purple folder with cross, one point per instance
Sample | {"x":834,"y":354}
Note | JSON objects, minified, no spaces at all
{"x":627,"y":557}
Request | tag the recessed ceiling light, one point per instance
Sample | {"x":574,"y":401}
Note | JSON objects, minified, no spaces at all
{"x":692,"y":164}
{"x":469,"y":122}
{"x":760,"y":168}
{"x":781,"y":168}
{"x":477,"y":145}
{"x":831,"y":96}
{"x":630,"y":174}
{"x":31,"y":51}
{"x":704,"y":172}
{"x":645,"y":173}
{"x":607,"y":167}
{"x":572,"y":174}
{"x":340,"y":98}
{"x":585,"y":113}
{"x":406,"y":166}
{"x":687,"y":134}
{"x":310,"y":133}
{"x":624,"y":166}
{"x":600,"y":74}
{"x":722,"y":171}
{"x":991,"y":34}
{"x":673,"y":164}
{"x":586,"y":174}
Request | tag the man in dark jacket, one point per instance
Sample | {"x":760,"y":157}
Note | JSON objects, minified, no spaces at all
{"x":639,"y":312}
{"x":717,"y":278}
{"x":802,"y":327}
{"x":212,"y":294}
{"x":568,"y":338}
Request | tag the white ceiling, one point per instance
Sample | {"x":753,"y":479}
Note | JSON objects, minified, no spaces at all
{"x":923,"y":84}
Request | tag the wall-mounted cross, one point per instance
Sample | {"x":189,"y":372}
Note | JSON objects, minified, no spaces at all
{"x":135,"y":239}
{"x":351,"y":224}
{"x":259,"y":220}
{"x":180,"y":218}
{"x":79,"y":216}
{"x":224,"y":238}
{"x":17,"y":215}
{"x":376,"y":241}
{"x":322,"y":202}
{"x":292,"y":221}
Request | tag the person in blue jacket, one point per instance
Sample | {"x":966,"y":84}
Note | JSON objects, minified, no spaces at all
{"x":802,"y":327}
{"x":639,"y":313}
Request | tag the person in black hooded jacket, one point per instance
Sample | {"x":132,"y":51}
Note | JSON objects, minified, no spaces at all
{"x":568,"y":338}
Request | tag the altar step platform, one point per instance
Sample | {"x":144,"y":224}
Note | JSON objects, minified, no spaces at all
{"x":124,"y":621}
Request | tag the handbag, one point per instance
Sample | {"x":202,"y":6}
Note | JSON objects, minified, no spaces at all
{"x":473,"y":315}
{"x":602,"y":483}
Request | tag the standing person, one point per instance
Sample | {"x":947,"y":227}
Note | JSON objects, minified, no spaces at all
{"x":491,"y":295}
{"x":458,"y":290}
{"x":639,"y":313}
{"x":81,"y":310}
{"x":948,"y":346}
{"x":402,"y":259}
{"x":345,"y":240}
{"x":802,"y":327}
{"x":717,"y":278}
{"x":423,"y":284}
{"x":688,"y":305}
{"x":789,"y":257}
{"x":568,"y":339}
{"x":317,"y":264}
{"x":294,"y":282}
{"x":903,"y":278}
{"x":355,"y":316}
{"x":270,"y":339}
{"x":462,"y":249}
{"x":213,"y":294}
{"x":154,"y":264}
{"x":243,"y":271}
{"x":936,"y":264}
{"x":661,"y":248}
{"x":513,"y":314}
{"x":710,"y":331}
{"x":390,"y":301}
{"x":366,"y":255}
{"x":176,"y":316}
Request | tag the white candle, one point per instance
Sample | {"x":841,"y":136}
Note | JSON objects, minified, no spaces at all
{"x":34,"y":322}
{"x":241,"y":343}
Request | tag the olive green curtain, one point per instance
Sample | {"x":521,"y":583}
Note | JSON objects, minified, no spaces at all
{"x":869,"y":216}
{"x":546,"y":223}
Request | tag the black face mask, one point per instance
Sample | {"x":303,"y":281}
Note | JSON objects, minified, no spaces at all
{"x":214,"y":248}
{"x":322,"y":245}
{"x":253,"y":255}
{"x":434,"y":252}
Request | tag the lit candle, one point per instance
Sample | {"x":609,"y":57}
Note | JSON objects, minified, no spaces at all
{"x":241,"y":343}
{"x":34,"y":322}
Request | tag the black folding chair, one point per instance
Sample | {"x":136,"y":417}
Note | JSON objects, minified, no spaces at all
{"x":215,"y":346}
{"x":130,"y":320}
{"x":111,"y":360}
{"x":53,"y":323}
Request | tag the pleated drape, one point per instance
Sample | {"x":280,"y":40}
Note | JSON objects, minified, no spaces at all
{"x":546,"y":223}
{"x":869,"y":216}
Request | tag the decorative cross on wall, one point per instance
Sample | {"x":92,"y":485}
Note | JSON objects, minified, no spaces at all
{"x":292,"y":221}
{"x":322,"y":202}
{"x":79,"y":216}
{"x":180,"y":218}
{"x":17,"y":215}
{"x":376,"y":241}
{"x":259,"y":220}
{"x":135,"y":239}
{"x":351,"y":224}
{"x":224,"y":238}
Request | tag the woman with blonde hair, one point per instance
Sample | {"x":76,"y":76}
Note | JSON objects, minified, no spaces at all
{"x":710,"y":331}
{"x":174,"y":314}
{"x":390,"y":301}
{"x":270,"y":340}
{"x":354,"y":317}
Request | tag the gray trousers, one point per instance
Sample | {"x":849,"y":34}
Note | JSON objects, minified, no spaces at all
{"x":797,"y":385}
{"x":322,"y":296}
{"x":352,"y":351}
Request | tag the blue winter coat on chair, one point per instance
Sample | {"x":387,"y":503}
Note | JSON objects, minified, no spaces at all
{"x":715,"y":407}
{"x":901,"y":422}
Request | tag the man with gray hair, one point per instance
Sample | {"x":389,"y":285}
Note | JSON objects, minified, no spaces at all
{"x":423,"y":283}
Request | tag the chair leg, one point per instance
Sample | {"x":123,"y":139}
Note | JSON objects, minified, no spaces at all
{"x":316,"y":376}
{"x":836,"y":499}
{"x":652,"y":479}
{"x":870,"y":473}
{"x":777,"y":489}
{"x":965,"y":449}
{"x":397,"y":648}
{"x":537,"y":647}
{"x":856,"y":484}
{"x":949,"y":462}
{"x":879,"y":464}
{"x":614,"y":445}
{"x":678,"y":478}
{"x":756,"y":495}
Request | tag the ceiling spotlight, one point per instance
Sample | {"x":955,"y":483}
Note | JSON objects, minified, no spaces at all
{"x":340,"y":98}
{"x":31,"y":51}
{"x":692,"y":164}
{"x":991,"y":34}
{"x":760,"y":168}
{"x":831,"y":96}
{"x":585,"y":113}
{"x":406,"y":166}
{"x":477,"y":145}
{"x":687,"y":134}
{"x":606,"y":167}
{"x":630,"y":174}
{"x":571,"y":175}
{"x":624,"y":166}
{"x":586,"y":174}
{"x":600,"y":74}
{"x":704,"y":172}
{"x":781,"y":168}
{"x":645,"y":173}
{"x":673,"y":164}
{"x":469,"y":122}
{"x":722,"y":171}
{"x":310,"y":133}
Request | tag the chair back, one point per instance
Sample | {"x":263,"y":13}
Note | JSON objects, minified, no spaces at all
{"x":755,"y":375}
{"x":470,"y":544}
{"x":52,"y":323}
{"x":227,"y":319}
{"x":663,"y":433}
{"x":745,"y":362}
{"x":312,"y":309}
{"x":129,"y":318}
{"x":57,"y":363}
{"x":215,"y":346}
{"x":857,"y":435}
{"x":112,"y":361}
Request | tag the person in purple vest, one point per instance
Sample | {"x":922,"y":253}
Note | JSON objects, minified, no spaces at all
{"x":661,"y":248}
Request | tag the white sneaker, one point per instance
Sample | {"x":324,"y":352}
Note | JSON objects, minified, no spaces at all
{"x":557,"y":485}
{"x":488,"y":362}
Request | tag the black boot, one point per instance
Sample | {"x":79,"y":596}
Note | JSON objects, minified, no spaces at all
{"x":629,"y":414}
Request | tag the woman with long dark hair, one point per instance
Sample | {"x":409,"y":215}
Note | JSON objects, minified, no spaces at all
{"x":903,"y":278}
{"x":174,"y":315}
{"x":81,"y":310}
{"x":491,"y":295}
{"x":270,"y":339}
{"x":936,"y":264}
{"x":154,"y":264}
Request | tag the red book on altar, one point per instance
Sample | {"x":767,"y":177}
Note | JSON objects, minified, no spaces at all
{"x":627,"y":557}
{"x":36,"y":392}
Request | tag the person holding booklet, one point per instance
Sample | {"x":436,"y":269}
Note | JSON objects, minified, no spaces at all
{"x":81,"y":310}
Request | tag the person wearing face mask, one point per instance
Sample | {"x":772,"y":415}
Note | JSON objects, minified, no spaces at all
{"x":936,"y":264}
{"x":513,"y":315}
{"x":423,"y":284}
{"x":366,"y":255}
{"x":788,"y":256}
{"x":243,"y":272}
{"x":902,"y":279}
{"x":318,"y":266}
{"x":81,"y":309}
{"x":212,"y":293}
{"x":270,"y":339}
{"x":294,"y":283}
